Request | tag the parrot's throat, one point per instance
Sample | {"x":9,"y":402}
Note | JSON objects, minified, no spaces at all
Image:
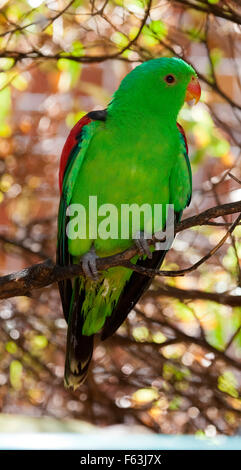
{"x":135,"y":121}
{"x":133,"y":113}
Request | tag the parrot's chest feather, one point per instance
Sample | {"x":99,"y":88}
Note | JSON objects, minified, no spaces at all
{"x":128,"y":165}
{"x":124,"y":169}
{"x":136,"y":149}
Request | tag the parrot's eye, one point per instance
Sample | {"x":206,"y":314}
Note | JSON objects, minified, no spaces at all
{"x":169,"y":79}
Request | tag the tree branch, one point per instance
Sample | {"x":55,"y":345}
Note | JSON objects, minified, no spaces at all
{"x":218,"y":11}
{"x":43,"y":274}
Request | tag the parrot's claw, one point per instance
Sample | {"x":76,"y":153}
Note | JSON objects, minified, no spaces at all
{"x":89,"y":265}
{"x":141,"y":241}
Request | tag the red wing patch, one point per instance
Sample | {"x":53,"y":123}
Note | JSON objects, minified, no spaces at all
{"x":69,"y":145}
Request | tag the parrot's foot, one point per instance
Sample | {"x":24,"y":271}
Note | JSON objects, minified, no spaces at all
{"x":89,"y":264}
{"x":141,"y":241}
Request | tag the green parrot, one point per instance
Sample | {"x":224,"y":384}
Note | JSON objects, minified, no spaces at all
{"x":133,"y":152}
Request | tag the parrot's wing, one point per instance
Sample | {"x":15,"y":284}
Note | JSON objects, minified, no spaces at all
{"x":68,"y":152}
{"x":79,"y":347}
{"x":139,"y":283}
{"x":71,"y":160}
{"x":189,"y":174}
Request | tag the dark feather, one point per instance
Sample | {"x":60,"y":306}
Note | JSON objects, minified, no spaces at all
{"x":79,"y":347}
{"x":134,"y":289}
{"x":99,"y":115}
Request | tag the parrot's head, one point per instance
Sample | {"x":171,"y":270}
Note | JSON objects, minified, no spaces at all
{"x":160,"y":85}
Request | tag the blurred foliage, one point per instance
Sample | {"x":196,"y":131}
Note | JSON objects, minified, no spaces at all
{"x":173,"y":366}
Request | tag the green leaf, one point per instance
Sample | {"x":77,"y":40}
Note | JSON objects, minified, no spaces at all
{"x":140,"y":333}
{"x":77,"y":49}
{"x":170,"y":372}
{"x":195,"y":35}
{"x":227,"y":383}
{"x":145,"y":395}
{"x":11,"y":347}
{"x":183,"y":312}
{"x":20,"y":82}
{"x":39,"y":342}
{"x":6,"y":63}
{"x":120,"y":39}
{"x":77,"y":3}
{"x":175,"y":403}
{"x":159,"y":28}
{"x":71,"y":71}
{"x":230,"y":260}
{"x":148,"y":37}
{"x":158,"y":337}
{"x":216,"y":56}
{"x":5,"y":100}
{"x":5,"y":130}
{"x":5,"y":108}
{"x":15,"y":374}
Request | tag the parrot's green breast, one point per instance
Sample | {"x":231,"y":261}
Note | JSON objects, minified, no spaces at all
{"x":125,"y":168}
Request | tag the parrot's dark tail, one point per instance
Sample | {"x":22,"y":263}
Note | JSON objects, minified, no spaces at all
{"x":79,"y":347}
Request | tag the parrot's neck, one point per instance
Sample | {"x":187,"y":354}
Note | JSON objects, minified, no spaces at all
{"x":121,"y":111}
{"x":144,"y":130}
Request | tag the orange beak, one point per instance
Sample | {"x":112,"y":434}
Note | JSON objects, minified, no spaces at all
{"x":193,"y":90}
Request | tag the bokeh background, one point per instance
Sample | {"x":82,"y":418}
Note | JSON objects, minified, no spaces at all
{"x":173,"y":366}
